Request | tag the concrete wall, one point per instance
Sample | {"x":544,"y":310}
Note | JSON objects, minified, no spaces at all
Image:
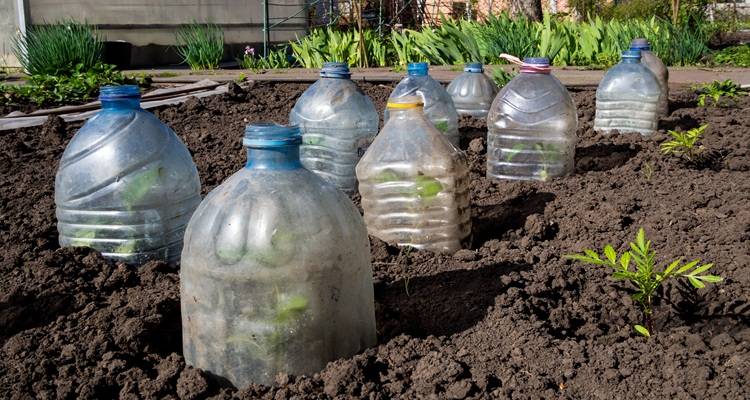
{"x":150,"y":25}
{"x":8,"y":28}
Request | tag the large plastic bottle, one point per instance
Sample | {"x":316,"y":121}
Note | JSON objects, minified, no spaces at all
{"x":414,"y":183}
{"x":275,"y":273}
{"x":126,"y":184}
{"x":438,"y":105}
{"x":472,"y":91}
{"x":338,"y":123}
{"x":532,"y":126}
{"x":627,"y":99}
{"x":655,"y":65}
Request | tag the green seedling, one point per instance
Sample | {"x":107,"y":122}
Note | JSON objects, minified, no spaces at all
{"x":512,"y":152}
{"x":442,"y":126}
{"x":140,"y":185}
{"x":645,"y":277}
{"x":717,"y":90}
{"x":685,"y":144}
{"x":549,"y":155}
{"x":427,"y":187}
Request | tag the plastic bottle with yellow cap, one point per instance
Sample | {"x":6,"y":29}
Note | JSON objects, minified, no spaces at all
{"x":414,"y":183}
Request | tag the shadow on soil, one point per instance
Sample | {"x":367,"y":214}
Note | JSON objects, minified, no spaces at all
{"x":494,"y":220}
{"x":604,"y":156}
{"x":441,"y":304}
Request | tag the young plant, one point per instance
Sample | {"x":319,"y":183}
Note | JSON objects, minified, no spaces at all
{"x":58,"y":49}
{"x":684,"y":144}
{"x":201,"y":46}
{"x":717,"y":90}
{"x":645,"y":277}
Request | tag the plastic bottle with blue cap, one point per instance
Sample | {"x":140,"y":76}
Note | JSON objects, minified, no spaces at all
{"x":414,"y":183}
{"x":472,"y":91}
{"x":275,"y":275}
{"x":531,"y":126}
{"x":655,"y":65}
{"x":438,"y":105}
{"x":627,"y":99}
{"x":126,"y":185}
{"x":338,"y":122}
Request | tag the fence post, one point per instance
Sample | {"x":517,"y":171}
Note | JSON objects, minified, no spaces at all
{"x":266,"y":33}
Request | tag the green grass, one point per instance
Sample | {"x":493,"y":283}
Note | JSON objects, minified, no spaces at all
{"x":738,"y":56}
{"x":59,"y":49}
{"x":201,"y":46}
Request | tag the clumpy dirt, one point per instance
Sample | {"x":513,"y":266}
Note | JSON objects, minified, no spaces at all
{"x":506,"y":318}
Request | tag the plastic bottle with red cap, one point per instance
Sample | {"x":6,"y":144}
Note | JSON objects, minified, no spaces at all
{"x":531,"y":126}
{"x":275,"y":275}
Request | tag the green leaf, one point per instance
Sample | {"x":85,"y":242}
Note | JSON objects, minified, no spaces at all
{"x":291,"y":308}
{"x":670,"y":268}
{"x":427,"y":187}
{"x":642,"y":330}
{"x":702,"y":268}
{"x":710,"y":278}
{"x":625,"y":260}
{"x":442,"y":126}
{"x":609,"y":252}
{"x":591,"y":253}
{"x":640,"y":240}
{"x":687,"y":266}
{"x":695,"y":282}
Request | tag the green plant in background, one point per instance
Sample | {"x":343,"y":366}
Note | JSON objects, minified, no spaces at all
{"x":644,"y":275}
{"x":738,"y":56}
{"x":717,"y":90}
{"x":502,"y":77}
{"x":276,"y":59}
{"x":683,"y":144}
{"x":201,"y":46}
{"x":58,"y":49}
{"x":81,"y":85}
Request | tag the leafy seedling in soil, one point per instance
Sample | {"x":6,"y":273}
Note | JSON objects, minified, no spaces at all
{"x":717,"y":90}
{"x":645,"y":277}
{"x":685,"y":144}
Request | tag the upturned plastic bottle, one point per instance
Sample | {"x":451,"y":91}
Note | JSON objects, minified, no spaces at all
{"x":338,"y":123}
{"x":655,"y":65}
{"x":532,"y":126}
{"x":275,"y":273}
{"x":438,"y":105}
{"x":472,"y":91}
{"x":414,"y":183}
{"x":627,"y":99}
{"x":126,"y":184}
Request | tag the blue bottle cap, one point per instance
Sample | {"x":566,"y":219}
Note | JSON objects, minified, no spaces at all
{"x":335,"y":70}
{"x":632,"y":54}
{"x":640,"y":44}
{"x":119,"y":92}
{"x":417,"y":69}
{"x":539,"y":61}
{"x":474,"y":67}
{"x":270,"y":134}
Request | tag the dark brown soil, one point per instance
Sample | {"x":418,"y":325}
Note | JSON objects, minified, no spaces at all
{"x":507,"y":318}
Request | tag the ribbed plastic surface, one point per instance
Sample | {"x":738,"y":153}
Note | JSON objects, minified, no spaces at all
{"x":414,"y":185}
{"x":126,"y":185}
{"x":275,"y":273}
{"x":472,"y":92}
{"x":531,"y":129}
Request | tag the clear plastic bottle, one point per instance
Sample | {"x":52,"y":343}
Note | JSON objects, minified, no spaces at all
{"x":438,"y":105}
{"x":126,"y":184}
{"x":275,"y":273}
{"x":472,"y":91}
{"x":532,"y":126}
{"x":414,"y":183}
{"x":627,"y":99}
{"x":655,"y":65}
{"x":338,"y":123}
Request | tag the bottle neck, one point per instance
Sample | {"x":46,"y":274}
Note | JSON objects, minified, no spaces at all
{"x":122,"y":103}
{"x":274,"y":157}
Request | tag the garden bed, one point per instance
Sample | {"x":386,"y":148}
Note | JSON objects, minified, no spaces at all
{"x":507,"y":318}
